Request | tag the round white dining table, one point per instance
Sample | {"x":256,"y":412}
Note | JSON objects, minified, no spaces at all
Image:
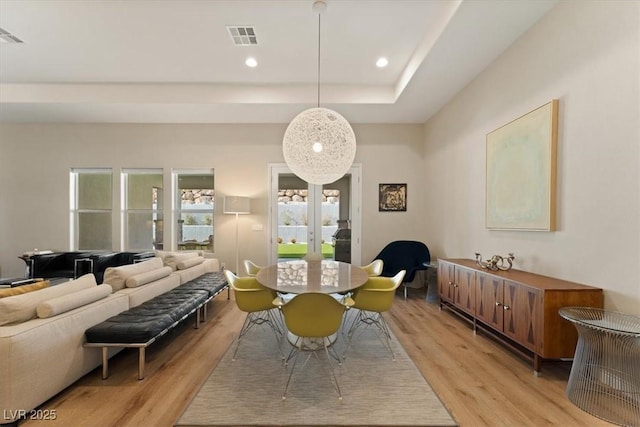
{"x":300,"y":276}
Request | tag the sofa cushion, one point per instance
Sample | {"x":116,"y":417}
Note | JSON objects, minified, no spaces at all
{"x":164,"y":254}
{"x":144,"y":293}
{"x":18,"y":290}
{"x":189,"y":262}
{"x":147,"y":277}
{"x":117,"y":276}
{"x":172,"y":259}
{"x":62,"y":304}
{"x":20,"y":308}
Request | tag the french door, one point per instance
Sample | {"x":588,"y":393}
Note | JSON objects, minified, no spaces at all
{"x":305,"y":218}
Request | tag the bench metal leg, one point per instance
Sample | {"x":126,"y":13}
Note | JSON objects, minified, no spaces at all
{"x":105,"y":363}
{"x":198,"y":318}
{"x":141,"y":357}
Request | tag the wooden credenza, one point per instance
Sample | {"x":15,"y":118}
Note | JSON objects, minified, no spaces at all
{"x":519,"y":306}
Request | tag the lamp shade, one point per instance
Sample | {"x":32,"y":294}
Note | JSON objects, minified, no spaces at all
{"x":319,"y":146}
{"x":237,"y":205}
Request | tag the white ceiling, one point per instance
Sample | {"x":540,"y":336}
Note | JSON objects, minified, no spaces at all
{"x":166,"y":61}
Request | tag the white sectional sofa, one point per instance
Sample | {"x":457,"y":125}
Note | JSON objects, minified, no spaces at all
{"x":42,"y":332}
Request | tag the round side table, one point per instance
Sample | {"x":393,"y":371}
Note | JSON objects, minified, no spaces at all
{"x":605,"y":375}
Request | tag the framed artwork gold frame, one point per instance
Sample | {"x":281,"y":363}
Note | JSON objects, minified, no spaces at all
{"x":392,"y":198}
{"x":521,"y":172}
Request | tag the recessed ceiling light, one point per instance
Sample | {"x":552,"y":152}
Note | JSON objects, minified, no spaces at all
{"x":251,"y":62}
{"x":382,"y":62}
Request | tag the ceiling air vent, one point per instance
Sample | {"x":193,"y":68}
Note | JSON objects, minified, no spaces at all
{"x":242,"y":35}
{"x":7,"y":37}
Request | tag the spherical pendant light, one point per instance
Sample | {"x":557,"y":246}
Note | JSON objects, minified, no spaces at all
{"x":319,"y":146}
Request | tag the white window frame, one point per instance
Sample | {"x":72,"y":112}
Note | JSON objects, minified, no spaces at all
{"x":75,"y":211}
{"x":176,"y":206}
{"x":125,"y":210}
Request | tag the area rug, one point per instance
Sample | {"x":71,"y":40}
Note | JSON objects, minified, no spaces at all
{"x":376,"y":391}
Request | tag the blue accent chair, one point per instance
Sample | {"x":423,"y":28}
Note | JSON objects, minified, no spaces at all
{"x":409,"y":255}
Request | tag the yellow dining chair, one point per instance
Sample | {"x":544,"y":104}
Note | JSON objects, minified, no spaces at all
{"x":375,"y":268}
{"x":373,"y":298}
{"x":257,"y":301}
{"x":251,"y":268}
{"x":313,"y":318}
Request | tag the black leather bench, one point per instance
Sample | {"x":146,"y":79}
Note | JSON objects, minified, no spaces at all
{"x":141,"y":326}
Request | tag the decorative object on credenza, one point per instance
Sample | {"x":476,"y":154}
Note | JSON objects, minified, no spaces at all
{"x":496,"y":262}
{"x":521,"y":172}
{"x":392,"y":198}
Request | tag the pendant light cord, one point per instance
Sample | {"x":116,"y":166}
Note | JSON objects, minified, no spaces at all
{"x":319,"y":60}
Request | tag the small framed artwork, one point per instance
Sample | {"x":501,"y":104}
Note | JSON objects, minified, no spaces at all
{"x":392,"y":198}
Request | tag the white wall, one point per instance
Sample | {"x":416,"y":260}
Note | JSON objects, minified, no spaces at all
{"x":35,"y":160}
{"x":586,"y":55}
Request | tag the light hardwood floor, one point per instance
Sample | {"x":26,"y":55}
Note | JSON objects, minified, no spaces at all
{"x":481,"y":382}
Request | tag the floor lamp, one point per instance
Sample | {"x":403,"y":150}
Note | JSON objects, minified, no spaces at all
{"x":238,"y":206}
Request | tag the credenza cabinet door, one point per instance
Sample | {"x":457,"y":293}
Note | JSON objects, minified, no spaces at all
{"x":446,"y":279}
{"x":522,"y":308}
{"x":489,"y":299}
{"x":456,"y":285}
{"x":464,"y":290}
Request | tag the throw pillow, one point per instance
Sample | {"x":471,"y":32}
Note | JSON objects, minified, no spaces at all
{"x":147,"y":277}
{"x":20,"y":308}
{"x":19,"y":290}
{"x":66,"y":303}
{"x":117,"y":276}
{"x":173,"y":259}
{"x":189,"y":262}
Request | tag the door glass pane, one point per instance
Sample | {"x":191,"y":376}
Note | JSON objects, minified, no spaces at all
{"x":293,"y":218}
{"x":330,"y":212}
{"x":336,"y":218}
{"x":319,"y":218}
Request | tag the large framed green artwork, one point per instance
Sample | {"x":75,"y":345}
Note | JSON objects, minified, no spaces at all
{"x":521,"y":172}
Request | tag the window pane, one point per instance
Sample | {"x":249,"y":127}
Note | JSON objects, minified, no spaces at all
{"x":91,"y":196}
{"x":94,"y":230}
{"x":142,"y":190}
{"x":94,"y":191}
{"x":197,"y":231}
{"x":141,"y":226}
{"x":195,"y":205}
{"x":143,"y":209}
